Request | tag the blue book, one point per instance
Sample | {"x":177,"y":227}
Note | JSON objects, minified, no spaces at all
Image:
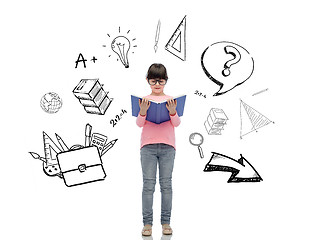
{"x":157,"y":112}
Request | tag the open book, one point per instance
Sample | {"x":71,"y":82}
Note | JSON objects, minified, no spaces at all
{"x":157,"y":112}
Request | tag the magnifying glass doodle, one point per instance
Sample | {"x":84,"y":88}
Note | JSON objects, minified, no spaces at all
{"x":196,"y":139}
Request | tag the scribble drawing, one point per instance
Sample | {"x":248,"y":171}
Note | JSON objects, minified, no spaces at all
{"x":227,"y":64}
{"x":177,"y":42}
{"x":241,"y":169}
{"x":216,"y":121}
{"x":157,"y":36}
{"x":196,"y":139}
{"x":92,"y":96}
{"x":51,"y":102}
{"x":251,"y":119}
{"x":121,"y":45}
{"x":78,"y":164}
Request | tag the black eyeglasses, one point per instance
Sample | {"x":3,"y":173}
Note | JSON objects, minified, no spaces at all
{"x":154,"y":81}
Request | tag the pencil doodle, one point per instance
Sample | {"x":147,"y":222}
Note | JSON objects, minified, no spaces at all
{"x":216,"y":121}
{"x":92,"y":96}
{"x":79,"y":164}
{"x":121,"y":45}
{"x":157,"y":36}
{"x":264,"y":90}
{"x":177,"y":42}
{"x":51,"y":102}
{"x":241,"y":169}
{"x":227,"y":77}
{"x":196,"y":139}
{"x":251,"y":119}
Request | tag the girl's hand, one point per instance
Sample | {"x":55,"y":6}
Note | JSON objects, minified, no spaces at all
{"x":144,"y":106}
{"x":171,"y":106}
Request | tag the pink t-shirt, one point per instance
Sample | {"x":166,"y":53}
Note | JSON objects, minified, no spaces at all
{"x":158,"y":133}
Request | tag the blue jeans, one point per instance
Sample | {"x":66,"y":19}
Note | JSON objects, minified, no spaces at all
{"x":151,"y":156}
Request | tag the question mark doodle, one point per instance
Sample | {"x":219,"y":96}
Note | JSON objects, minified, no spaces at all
{"x":236,"y":58}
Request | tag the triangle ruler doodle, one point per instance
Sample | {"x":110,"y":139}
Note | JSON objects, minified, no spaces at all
{"x":177,"y":42}
{"x":251,"y":119}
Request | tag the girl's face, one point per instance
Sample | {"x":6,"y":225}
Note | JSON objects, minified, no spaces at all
{"x":157,"y":86}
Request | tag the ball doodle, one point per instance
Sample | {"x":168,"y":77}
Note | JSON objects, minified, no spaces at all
{"x":51,"y":102}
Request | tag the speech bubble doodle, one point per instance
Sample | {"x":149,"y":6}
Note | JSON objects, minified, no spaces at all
{"x":216,"y":63}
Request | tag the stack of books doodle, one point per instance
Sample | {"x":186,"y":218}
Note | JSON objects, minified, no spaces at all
{"x":92,"y":96}
{"x":216,"y":121}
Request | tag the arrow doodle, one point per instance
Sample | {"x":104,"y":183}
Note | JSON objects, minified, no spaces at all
{"x":241,"y":169}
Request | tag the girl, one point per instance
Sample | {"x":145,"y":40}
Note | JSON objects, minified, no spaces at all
{"x":157,"y":148}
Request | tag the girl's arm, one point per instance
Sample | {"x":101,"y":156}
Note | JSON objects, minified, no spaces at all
{"x":144,"y":106}
{"x":174,"y":118}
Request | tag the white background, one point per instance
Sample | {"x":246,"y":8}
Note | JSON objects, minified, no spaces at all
{"x":40,"y":42}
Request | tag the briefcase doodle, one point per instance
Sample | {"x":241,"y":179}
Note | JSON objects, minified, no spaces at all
{"x":81,"y":166}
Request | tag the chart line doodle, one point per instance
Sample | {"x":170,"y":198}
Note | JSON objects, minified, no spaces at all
{"x":241,"y":169}
{"x":177,"y":42}
{"x":251,"y":119}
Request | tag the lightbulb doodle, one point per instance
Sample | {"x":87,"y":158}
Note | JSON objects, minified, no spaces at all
{"x":121,"y":46}
{"x":227,"y":64}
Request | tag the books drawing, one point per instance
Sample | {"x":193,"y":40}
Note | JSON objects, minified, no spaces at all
{"x":157,"y":112}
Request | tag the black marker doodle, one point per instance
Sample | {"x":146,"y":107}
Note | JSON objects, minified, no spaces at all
{"x":251,"y":119}
{"x":241,"y":169}
{"x":236,"y":58}
{"x":227,"y":77}
{"x":94,"y":59}
{"x":51,"y":102}
{"x":216,"y":121}
{"x":157,"y":36}
{"x":196,"y":139}
{"x":177,"y":42}
{"x":80,"y":59}
{"x":81,"y":166}
{"x":200,"y":94}
{"x":92,"y":96}
{"x":264,"y":90}
{"x":78,"y":164}
{"x":117,"y":118}
{"x":121,"y":46}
